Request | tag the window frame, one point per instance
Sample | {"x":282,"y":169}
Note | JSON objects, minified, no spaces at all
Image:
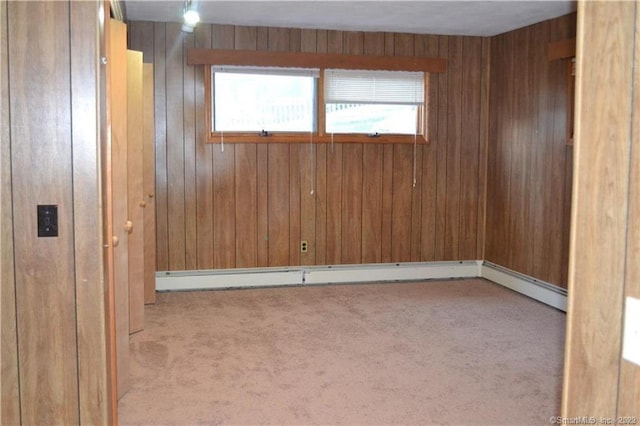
{"x":199,"y":56}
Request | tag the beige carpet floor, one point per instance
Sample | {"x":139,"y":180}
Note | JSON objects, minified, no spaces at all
{"x":451,"y":352}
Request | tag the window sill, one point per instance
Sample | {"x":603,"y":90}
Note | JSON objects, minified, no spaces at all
{"x":302,"y":138}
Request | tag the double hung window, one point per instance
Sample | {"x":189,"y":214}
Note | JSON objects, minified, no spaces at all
{"x":289,"y":104}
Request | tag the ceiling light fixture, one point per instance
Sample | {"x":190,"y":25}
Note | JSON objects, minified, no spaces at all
{"x":190,"y":15}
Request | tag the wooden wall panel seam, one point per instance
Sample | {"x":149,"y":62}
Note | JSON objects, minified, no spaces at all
{"x":10,"y":398}
{"x":445,"y":171}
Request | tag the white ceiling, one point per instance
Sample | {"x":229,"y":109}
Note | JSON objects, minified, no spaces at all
{"x":453,"y":17}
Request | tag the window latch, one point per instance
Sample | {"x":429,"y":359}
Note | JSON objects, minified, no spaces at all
{"x":264,"y":133}
{"x":374,"y":135}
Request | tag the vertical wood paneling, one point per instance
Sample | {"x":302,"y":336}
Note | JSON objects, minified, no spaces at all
{"x":628,"y":389}
{"x":483,"y":148}
{"x":441,"y":151}
{"x":204,"y":163}
{"x":10,"y":409}
{"x":401,"y":203}
{"x":224,"y":217}
{"x":54,"y":368}
{"x":278,"y":209}
{"x":529,"y":164}
{"x":430,"y":161}
{"x":40,"y":114}
{"x":140,"y":40}
{"x":416,"y":204}
{"x":262,"y":176}
{"x":387,"y":202}
{"x":469,"y":145}
{"x":278,"y":39}
{"x":321,"y":204}
{"x":308,"y":175}
{"x":246,"y":205}
{"x":308,"y":194}
{"x":372,"y":203}
{"x":557,"y":216}
{"x":246,"y":38}
{"x":352,"y":169}
{"x":334,"y":204}
{"x":189,"y":126}
{"x":498,"y":178}
{"x":352,"y":204}
{"x":160,"y":93}
{"x":601,"y":214}
{"x":519,"y":154}
{"x":90,"y":283}
{"x":294,"y":204}
{"x":538,"y":166}
{"x":364,"y":207}
{"x":454,"y":130}
{"x":175,"y":147}
{"x":372,"y":169}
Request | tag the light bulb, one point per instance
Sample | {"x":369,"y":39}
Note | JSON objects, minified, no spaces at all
{"x":191,"y":17}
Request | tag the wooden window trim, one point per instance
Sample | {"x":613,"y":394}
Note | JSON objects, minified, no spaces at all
{"x":314,"y":60}
{"x":319,"y":136}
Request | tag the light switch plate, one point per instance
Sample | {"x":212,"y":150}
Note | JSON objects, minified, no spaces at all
{"x":631,"y":342}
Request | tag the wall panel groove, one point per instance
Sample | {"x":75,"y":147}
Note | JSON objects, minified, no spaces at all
{"x":251,"y":204}
{"x":529,"y":169}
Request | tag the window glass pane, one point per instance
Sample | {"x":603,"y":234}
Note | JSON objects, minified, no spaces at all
{"x":372,"y":118}
{"x":255,"y":102}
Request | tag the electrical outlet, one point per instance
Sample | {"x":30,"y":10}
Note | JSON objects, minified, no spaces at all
{"x":631,"y":340}
{"x":48,"y":220}
{"x":304,"y":246}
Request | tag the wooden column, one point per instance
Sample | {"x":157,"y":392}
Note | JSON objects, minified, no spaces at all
{"x":604,"y":240}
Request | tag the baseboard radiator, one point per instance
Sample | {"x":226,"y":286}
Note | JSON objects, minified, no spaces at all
{"x":349,"y":274}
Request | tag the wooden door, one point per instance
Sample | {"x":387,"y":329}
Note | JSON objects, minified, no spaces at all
{"x":149,"y":184}
{"x":135,"y":190}
{"x":117,"y":62}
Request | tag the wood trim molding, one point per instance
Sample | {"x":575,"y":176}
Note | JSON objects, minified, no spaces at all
{"x":561,"y":49}
{"x":314,"y":60}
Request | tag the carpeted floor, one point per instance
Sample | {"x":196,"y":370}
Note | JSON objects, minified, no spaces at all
{"x":455,"y":352}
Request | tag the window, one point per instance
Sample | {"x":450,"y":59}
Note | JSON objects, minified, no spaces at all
{"x":247,"y":104}
{"x":263,"y":99}
{"x":373,"y":102}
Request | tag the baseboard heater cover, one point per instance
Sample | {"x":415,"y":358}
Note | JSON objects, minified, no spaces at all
{"x":268,"y":277}
{"x":214,"y":279}
{"x":539,"y":290}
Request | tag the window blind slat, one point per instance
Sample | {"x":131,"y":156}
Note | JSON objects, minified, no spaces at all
{"x":374,"y":87}
{"x":295,"y":72}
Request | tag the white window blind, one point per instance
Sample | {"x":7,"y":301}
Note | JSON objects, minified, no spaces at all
{"x":290,"y":72}
{"x":373,"y":87}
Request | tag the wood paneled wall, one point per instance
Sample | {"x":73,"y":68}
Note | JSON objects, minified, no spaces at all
{"x":53,"y":324}
{"x":530,"y":165}
{"x":10,"y":414}
{"x":251,"y":204}
{"x":605,"y":235}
